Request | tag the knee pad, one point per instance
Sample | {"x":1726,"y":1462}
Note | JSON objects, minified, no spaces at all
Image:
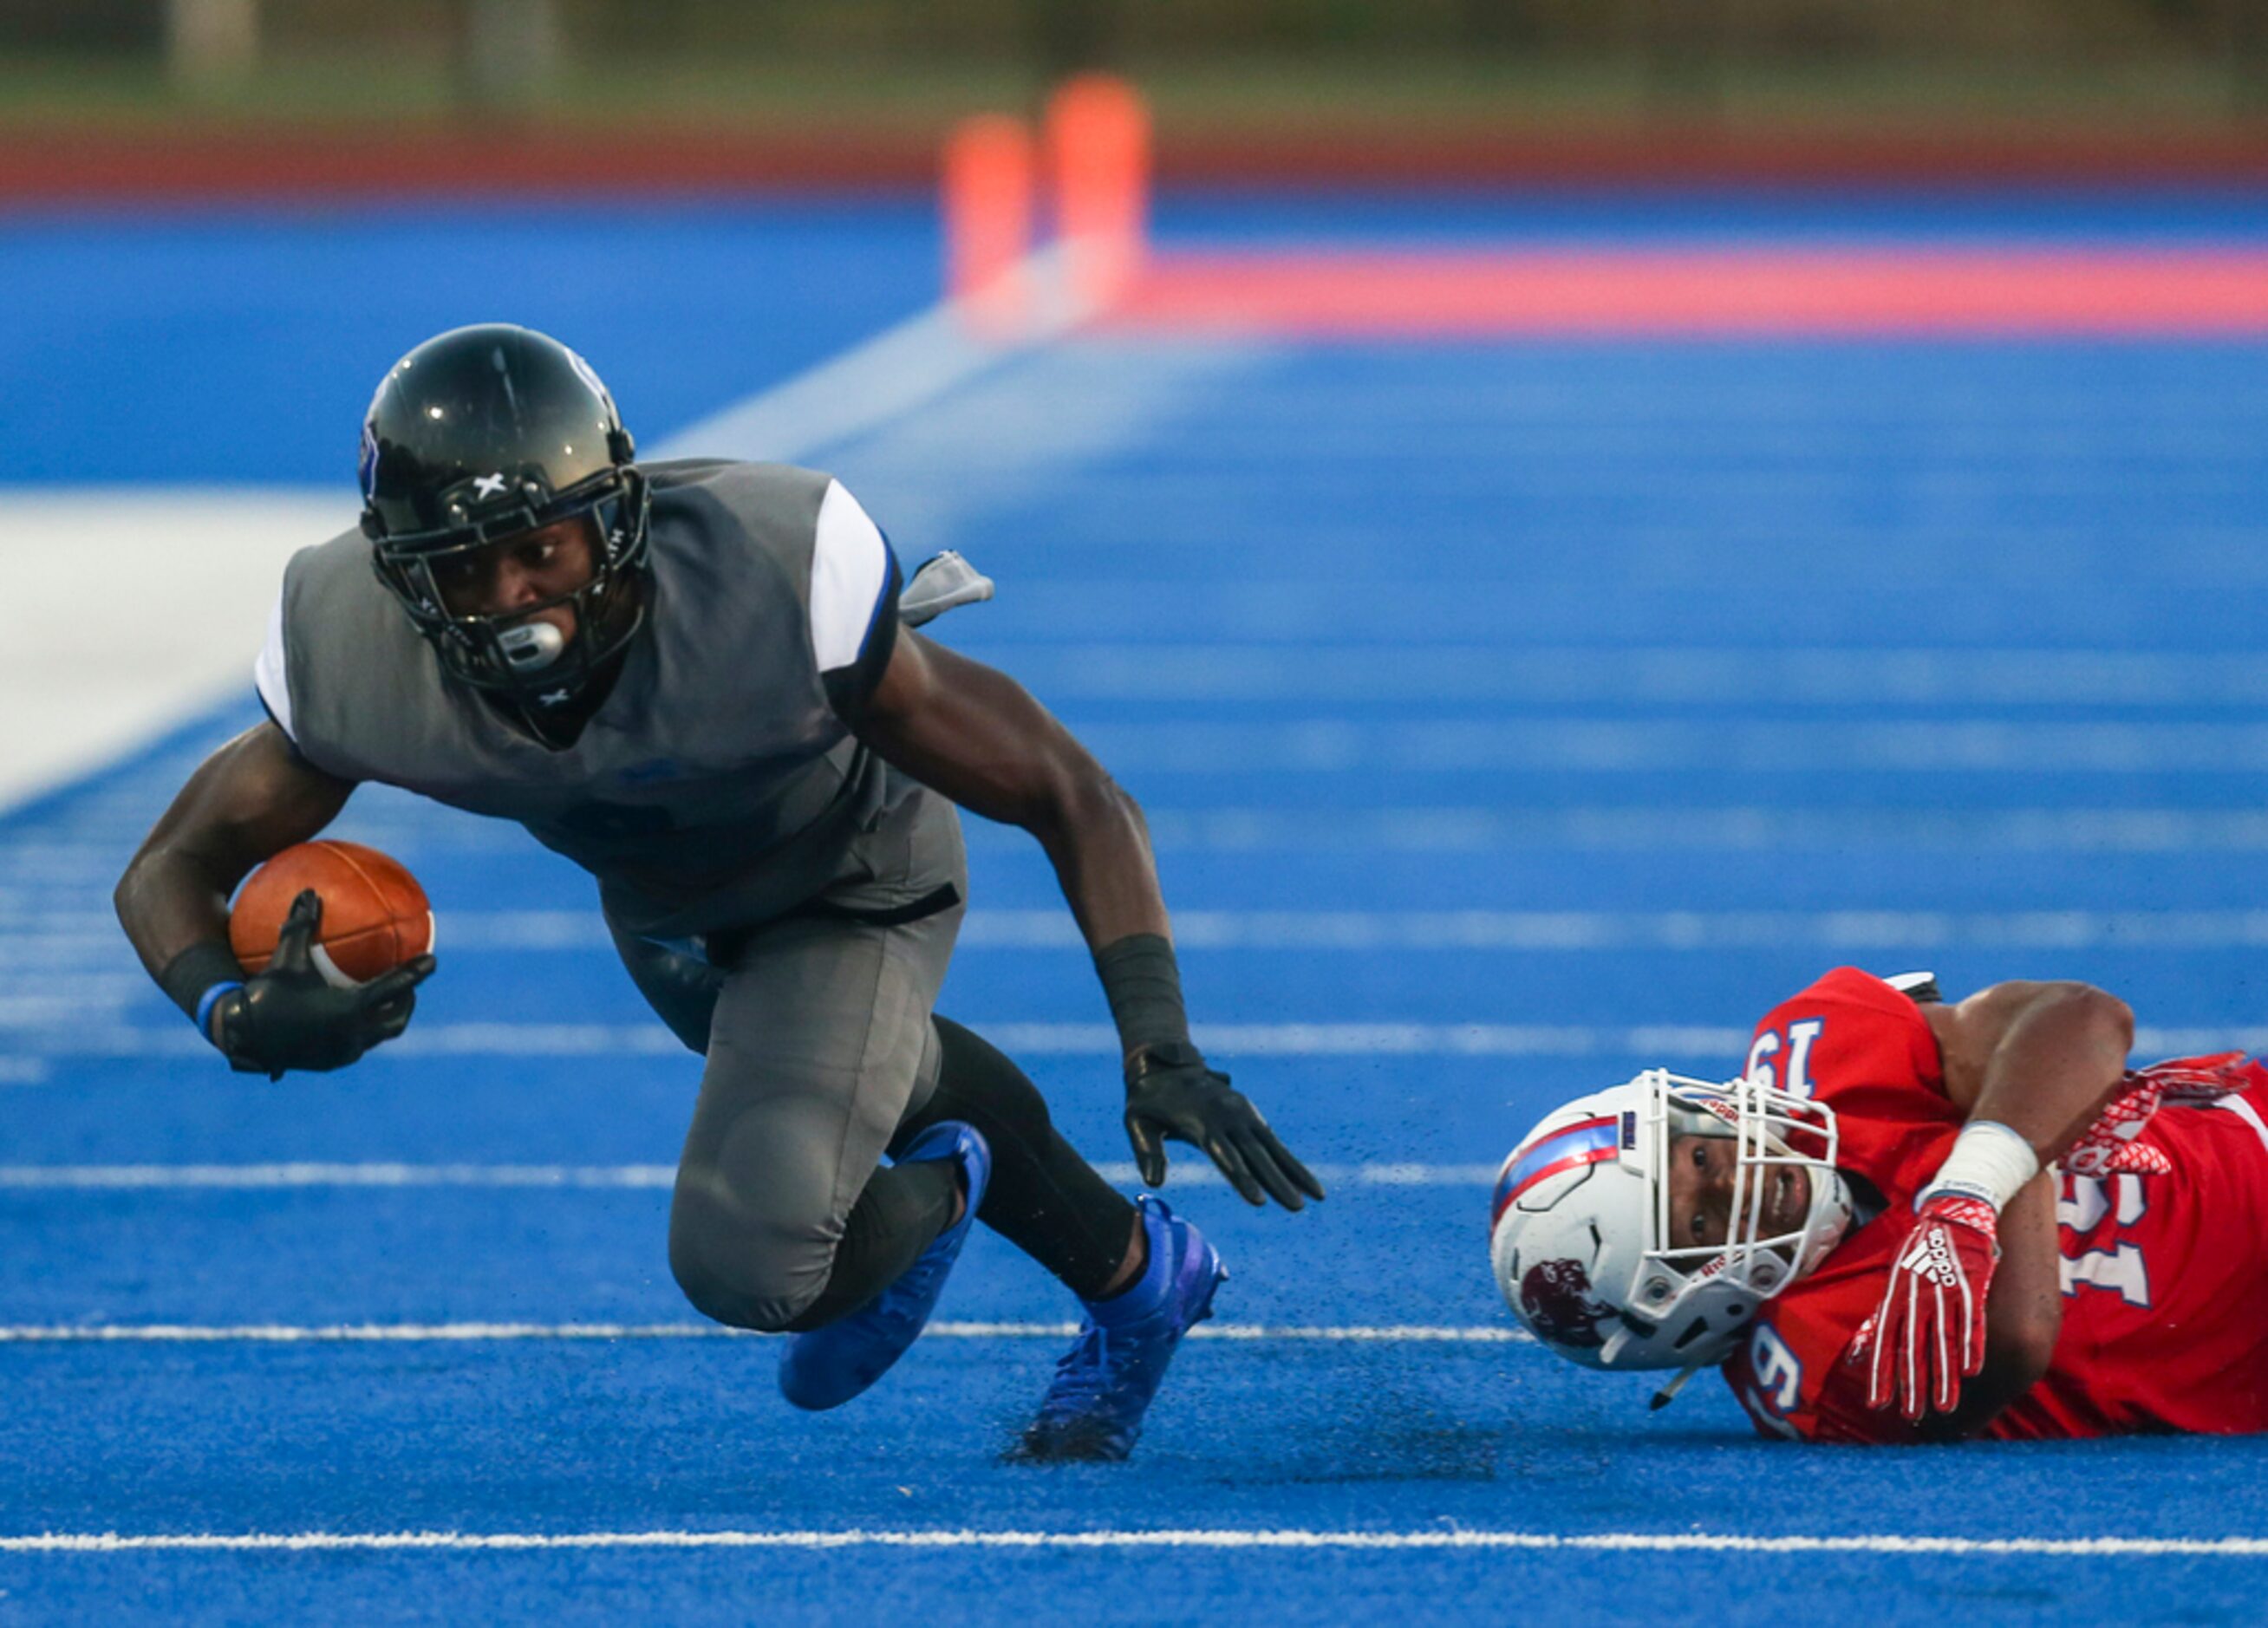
{"x":729,"y":1279}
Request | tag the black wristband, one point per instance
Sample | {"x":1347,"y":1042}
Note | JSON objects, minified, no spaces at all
{"x":196,"y":969}
{"x":1143,"y":983}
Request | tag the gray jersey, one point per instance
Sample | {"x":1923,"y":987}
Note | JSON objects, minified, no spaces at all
{"x":716,"y":786}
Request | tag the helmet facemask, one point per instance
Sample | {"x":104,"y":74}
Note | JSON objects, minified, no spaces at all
{"x":1580,"y":1227}
{"x":511,"y":655}
{"x":1775,"y":1134}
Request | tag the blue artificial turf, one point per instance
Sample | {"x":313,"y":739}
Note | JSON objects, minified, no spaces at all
{"x":1961,"y":633}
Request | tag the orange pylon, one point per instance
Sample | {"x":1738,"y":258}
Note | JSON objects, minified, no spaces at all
{"x":990,"y":184}
{"x":1098,"y":144}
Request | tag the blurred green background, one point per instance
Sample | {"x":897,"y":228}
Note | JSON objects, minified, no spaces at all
{"x":1217,"y":70}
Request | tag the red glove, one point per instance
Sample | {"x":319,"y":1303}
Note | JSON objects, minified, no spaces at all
{"x":1930,"y":1328}
{"x":2110,"y":1145}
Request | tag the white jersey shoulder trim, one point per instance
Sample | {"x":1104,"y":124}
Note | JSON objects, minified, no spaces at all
{"x":270,"y":674}
{"x":850,"y":567}
{"x":2248,"y":1113}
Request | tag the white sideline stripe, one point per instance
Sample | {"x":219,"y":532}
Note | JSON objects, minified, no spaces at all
{"x":186,"y":577}
{"x":898,"y":371}
{"x":428,"y":1333}
{"x":1087,"y":1040}
{"x":263,"y":1177}
{"x":1169,"y":1538}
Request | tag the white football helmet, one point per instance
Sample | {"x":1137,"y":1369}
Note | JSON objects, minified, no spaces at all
{"x":1579,"y":1234}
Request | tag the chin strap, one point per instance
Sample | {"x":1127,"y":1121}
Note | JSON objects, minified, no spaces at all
{"x":1668,"y":1394}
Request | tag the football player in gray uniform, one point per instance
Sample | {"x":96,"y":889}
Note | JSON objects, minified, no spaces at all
{"x":699,"y":681}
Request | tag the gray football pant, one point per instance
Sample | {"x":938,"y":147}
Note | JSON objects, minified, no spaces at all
{"x":819,"y":1042}
{"x":824,"y":1053}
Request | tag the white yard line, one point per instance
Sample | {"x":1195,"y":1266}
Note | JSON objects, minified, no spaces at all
{"x":36,"y":939}
{"x":1716,"y":744}
{"x":49,"y":871}
{"x":483,"y":1333}
{"x":1230,"y":1539}
{"x":1095,"y":1040}
{"x":1312,"y":666}
{"x":1771,"y":829}
{"x":1562,"y":931}
{"x":305,"y":1174}
{"x":1682,"y":1041}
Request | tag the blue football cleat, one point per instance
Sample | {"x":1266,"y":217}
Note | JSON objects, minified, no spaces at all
{"x":827,"y":1366}
{"x":1103,"y":1385}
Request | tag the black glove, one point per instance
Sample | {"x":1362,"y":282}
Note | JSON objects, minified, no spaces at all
{"x":288,"y":1017}
{"x":1171,"y":1093}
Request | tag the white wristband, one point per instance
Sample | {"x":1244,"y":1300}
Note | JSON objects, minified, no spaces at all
{"x":1988,"y":1162}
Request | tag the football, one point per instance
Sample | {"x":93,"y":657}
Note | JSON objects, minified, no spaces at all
{"x":375,"y":916}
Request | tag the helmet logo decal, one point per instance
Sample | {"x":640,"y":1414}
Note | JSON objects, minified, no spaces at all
{"x":1555,"y":1298}
{"x":1586,"y":1142}
{"x":366,"y":466}
{"x":489,"y":486}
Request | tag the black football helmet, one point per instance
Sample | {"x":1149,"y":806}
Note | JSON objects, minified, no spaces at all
{"x":477,"y":435}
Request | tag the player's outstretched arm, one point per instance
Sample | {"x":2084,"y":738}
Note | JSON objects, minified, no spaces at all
{"x":248,"y":801}
{"x":974,"y":734}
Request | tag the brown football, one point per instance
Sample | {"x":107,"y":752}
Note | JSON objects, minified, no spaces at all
{"x":375,"y":916}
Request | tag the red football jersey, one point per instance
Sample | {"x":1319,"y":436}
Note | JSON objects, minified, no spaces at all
{"x":2165,"y":1277}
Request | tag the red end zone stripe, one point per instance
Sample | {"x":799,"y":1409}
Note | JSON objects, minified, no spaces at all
{"x":1711,"y":291}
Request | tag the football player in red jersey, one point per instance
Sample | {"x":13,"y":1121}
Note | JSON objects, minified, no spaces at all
{"x":1866,"y":1233}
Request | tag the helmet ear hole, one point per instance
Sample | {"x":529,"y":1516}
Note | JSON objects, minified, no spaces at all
{"x":1691,"y":1332}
